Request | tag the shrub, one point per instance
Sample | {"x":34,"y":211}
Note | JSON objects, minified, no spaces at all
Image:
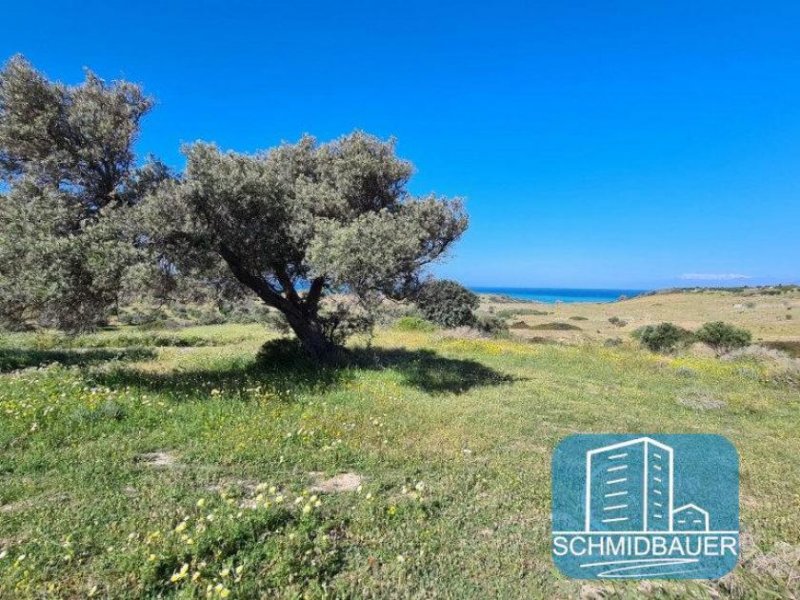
{"x":664,"y":337}
{"x":723,"y":337}
{"x":617,"y":322}
{"x":412,"y":323}
{"x":556,"y":326}
{"x":491,"y":324}
{"x":578,"y":318}
{"x":792,"y":348}
{"x":447,"y":303}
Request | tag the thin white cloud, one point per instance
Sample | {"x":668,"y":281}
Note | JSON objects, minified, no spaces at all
{"x":713,"y":276}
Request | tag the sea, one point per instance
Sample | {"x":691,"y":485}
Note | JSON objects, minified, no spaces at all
{"x":553,"y":295}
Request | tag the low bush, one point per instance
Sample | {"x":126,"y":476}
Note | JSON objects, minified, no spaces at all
{"x":447,"y":303}
{"x":664,"y":337}
{"x":792,"y":348}
{"x":617,"y":322}
{"x":723,"y":337}
{"x":412,"y":323}
{"x":491,"y":324}
{"x":556,"y":326}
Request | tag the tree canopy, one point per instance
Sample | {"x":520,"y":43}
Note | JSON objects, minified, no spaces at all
{"x":68,"y":168}
{"x":303,"y":221}
{"x":322,"y":232}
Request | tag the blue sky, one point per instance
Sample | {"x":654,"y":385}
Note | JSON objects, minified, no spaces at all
{"x":598,"y":144}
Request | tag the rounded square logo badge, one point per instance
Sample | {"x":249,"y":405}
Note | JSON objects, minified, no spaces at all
{"x":646,"y":506}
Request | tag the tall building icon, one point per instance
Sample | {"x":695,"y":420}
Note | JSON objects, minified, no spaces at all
{"x":629,"y":487}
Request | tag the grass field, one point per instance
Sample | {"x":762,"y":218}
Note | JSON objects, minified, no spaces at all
{"x":177,"y":464}
{"x":771,"y":318}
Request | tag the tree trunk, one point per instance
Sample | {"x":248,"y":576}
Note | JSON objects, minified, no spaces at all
{"x":313,"y":339}
{"x":301,"y":315}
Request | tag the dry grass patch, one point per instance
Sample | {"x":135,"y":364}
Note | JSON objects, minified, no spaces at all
{"x":344,"y":482}
{"x":158,"y":460}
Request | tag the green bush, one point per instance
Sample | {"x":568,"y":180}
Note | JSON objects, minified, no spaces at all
{"x":491,"y":324}
{"x":723,"y":337}
{"x":664,"y":337}
{"x":617,"y":322}
{"x":447,"y":303}
{"x":412,"y":323}
{"x":556,"y":326}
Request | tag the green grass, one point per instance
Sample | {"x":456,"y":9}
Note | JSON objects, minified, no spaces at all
{"x":116,"y":471}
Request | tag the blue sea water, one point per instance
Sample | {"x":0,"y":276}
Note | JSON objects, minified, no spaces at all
{"x":552,"y":295}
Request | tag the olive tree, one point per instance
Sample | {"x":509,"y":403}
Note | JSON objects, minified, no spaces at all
{"x":68,"y":170}
{"x":301,"y":222}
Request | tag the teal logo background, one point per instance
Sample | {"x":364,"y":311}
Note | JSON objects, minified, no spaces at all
{"x":645,"y":506}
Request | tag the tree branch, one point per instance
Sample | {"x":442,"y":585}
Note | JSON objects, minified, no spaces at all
{"x":255,"y":283}
{"x":315,"y":292}
{"x":288,"y":286}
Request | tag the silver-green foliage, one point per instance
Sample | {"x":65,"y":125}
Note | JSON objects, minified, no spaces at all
{"x":447,"y":303}
{"x":68,"y":171}
{"x":304,"y":221}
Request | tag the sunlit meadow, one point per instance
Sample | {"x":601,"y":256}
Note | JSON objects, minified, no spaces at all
{"x":184,"y":464}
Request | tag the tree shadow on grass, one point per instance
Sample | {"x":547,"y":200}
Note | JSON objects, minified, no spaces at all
{"x":425,"y":370}
{"x":12,"y":359}
{"x":283,"y":369}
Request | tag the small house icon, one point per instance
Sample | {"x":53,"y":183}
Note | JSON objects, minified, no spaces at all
{"x":690,"y":517}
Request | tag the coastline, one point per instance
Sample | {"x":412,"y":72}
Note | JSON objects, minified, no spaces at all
{"x":556,"y":295}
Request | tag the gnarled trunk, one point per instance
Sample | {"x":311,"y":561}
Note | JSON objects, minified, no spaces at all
{"x":312,"y":336}
{"x":301,"y":314}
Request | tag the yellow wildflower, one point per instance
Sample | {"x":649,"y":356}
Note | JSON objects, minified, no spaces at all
{"x":178,"y":576}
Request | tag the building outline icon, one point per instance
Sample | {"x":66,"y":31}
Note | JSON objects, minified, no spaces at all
{"x":629,"y":487}
{"x":691,"y":507}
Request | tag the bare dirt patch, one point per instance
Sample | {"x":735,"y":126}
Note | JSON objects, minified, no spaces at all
{"x":157,"y":460}
{"x":344,"y":482}
{"x":15,"y":506}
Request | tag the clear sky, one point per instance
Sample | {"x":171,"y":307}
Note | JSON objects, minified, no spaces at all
{"x":598,"y":144}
